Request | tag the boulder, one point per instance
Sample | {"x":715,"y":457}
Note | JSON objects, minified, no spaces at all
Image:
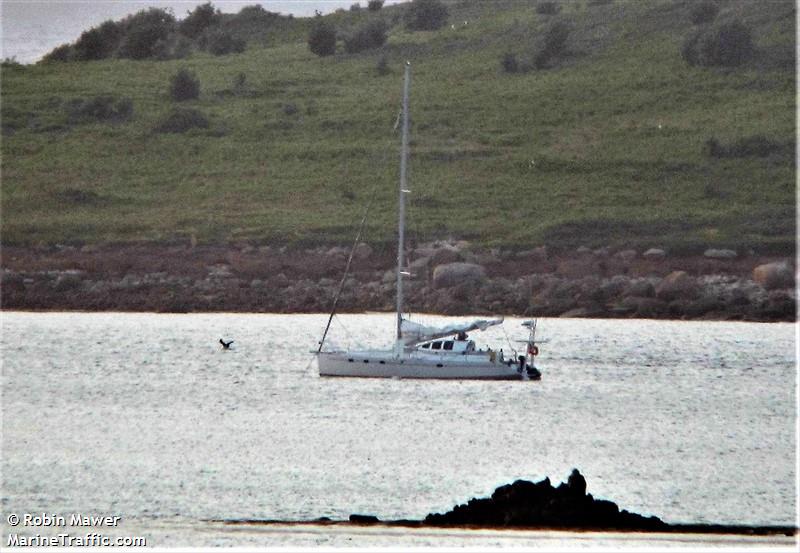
{"x":612,"y":288}
{"x":536,"y":254}
{"x":445,"y":255}
{"x":452,"y":274}
{"x":641,"y":288}
{"x":642,"y":307}
{"x":363,"y":519}
{"x":576,"y":483}
{"x":773,"y":276}
{"x":362,"y":251}
{"x":677,"y":285}
{"x":577,"y":268}
{"x":626,"y":255}
{"x":654,"y":253}
{"x":279,"y":281}
{"x":419,"y":265}
{"x":720,"y":254}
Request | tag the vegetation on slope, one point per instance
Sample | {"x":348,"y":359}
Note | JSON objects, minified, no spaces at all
{"x":610,"y":143}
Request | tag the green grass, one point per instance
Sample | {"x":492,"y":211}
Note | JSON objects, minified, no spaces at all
{"x":605,"y":149}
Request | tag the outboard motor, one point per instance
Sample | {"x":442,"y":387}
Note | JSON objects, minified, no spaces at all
{"x":534,"y":373}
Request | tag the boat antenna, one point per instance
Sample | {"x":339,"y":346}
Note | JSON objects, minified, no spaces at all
{"x":403,"y":190}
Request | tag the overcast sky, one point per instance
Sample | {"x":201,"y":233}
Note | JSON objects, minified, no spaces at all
{"x":31,"y":28}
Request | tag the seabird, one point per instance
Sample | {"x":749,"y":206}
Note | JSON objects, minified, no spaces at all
{"x":225,"y":345}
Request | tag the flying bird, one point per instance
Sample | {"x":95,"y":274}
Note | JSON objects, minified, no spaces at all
{"x":225,"y":345}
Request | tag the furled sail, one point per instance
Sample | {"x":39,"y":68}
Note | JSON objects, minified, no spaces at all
{"x":415,"y":333}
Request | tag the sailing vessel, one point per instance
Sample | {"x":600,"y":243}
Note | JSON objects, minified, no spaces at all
{"x":421,"y":351}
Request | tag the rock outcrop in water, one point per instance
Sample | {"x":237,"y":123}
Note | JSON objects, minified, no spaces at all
{"x":539,"y":504}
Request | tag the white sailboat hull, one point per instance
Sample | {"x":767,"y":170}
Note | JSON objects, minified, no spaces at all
{"x":384,"y":364}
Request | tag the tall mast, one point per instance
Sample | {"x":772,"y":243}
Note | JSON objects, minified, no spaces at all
{"x":402,"y":205}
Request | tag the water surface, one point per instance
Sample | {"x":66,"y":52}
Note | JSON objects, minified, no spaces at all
{"x":144,"y":415}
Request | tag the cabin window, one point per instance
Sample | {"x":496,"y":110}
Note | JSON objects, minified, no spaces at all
{"x":448,"y":345}
{"x":436,"y":345}
{"x":426,"y":346}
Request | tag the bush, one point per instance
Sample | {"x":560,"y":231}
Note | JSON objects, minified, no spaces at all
{"x":100,"y":108}
{"x":374,"y":5}
{"x":370,"y":35}
{"x":99,"y":42}
{"x":751,"y":146}
{"x":704,"y":12}
{"x":203,"y":17}
{"x":355,"y":7}
{"x":547,"y":8}
{"x":239,"y":83}
{"x":147,"y":34}
{"x":726,"y":45}
{"x":322,"y":39}
{"x":553,"y":44}
{"x":184,"y":85}
{"x":510,"y":63}
{"x":223,"y":43}
{"x":255,"y":12}
{"x":11,"y":62}
{"x":181,"y":120}
{"x":425,"y":15}
{"x":59,"y":53}
{"x":382,"y":67}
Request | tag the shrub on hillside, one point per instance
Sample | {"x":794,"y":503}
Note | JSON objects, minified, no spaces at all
{"x":374,"y":5}
{"x":184,"y":85}
{"x":355,"y":7}
{"x":553,"y":44}
{"x":200,"y":19}
{"x":547,"y":8}
{"x":255,"y":11}
{"x":425,"y":15}
{"x":382,"y":66}
{"x":751,"y":146}
{"x":727,"y":45}
{"x":221,"y":43}
{"x":11,"y":63}
{"x":99,"y":108}
{"x":703,"y":12}
{"x":147,"y":34}
{"x":99,"y":42}
{"x":180,"y":120}
{"x":370,"y":35}
{"x":322,"y":39}
{"x":59,"y":53}
{"x":509,"y":63}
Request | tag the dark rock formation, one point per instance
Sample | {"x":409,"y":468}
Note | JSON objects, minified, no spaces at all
{"x":539,"y":504}
{"x":364,"y":519}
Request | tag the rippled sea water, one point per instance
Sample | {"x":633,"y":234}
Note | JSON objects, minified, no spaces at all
{"x":145,"y":416}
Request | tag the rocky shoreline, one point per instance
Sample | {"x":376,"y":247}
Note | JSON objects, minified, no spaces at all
{"x":449,"y":278}
{"x":542,"y":506}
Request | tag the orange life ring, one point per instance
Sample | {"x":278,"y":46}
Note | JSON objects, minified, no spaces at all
{"x":533,"y":350}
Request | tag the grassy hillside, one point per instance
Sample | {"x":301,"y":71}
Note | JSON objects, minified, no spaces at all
{"x":608,"y":147}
